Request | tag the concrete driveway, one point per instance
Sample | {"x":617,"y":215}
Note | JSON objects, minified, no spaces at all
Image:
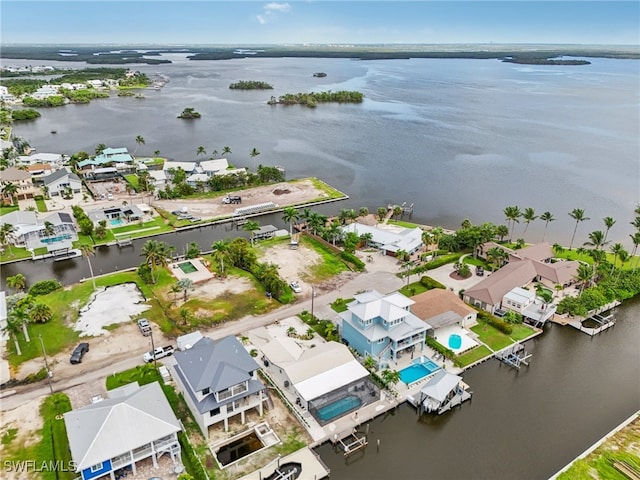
{"x":442,"y":275}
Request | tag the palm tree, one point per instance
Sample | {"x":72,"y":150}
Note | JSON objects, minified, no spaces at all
{"x":20,"y":315}
{"x":12,"y":328}
{"x":185,"y":285}
{"x":578,"y":215}
{"x":497,"y":256}
{"x":139,"y":141}
{"x":334,"y":232}
{"x":87,"y":251}
{"x":608,"y":223}
{"x":437,"y":235}
{"x":220,"y":253}
{"x":10,"y":191}
{"x":49,"y":229}
{"x":397,"y":212}
{"x":390,"y":377}
{"x":584,"y":275}
{"x":290,"y":215}
{"x":18,"y":282}
{"x":382,"y":212}
{"x":226,"y":150}
{"x":100,"y":148}
{"x":617,"y":249}
{"x":635,"y":238}
{"x":343,"y":216}
{"x":512,"y":215}
{"x":6,"y":230}
{"x":363,"y":212}
{"x":636,"y":223}
{"x":41,"y":313}
{"x":253,"y":154}
{"x":184,"y":315}
{"x":155,"y":253}
{"x":201,"y":151}
{"x":369,"y":363}
{"x":546,"y":217}
{"x":529,"y":215}
{"x":251,"y":227}
{"x":596,"y":240}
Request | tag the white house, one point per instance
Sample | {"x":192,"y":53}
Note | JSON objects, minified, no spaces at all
{"x":389,"y":239}
{"x":59,"y":181}
{"x":133,"y":424}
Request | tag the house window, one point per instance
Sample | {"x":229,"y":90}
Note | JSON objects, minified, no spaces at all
{"x":97,"y":467}
{"x":214,"y":412}
{"x":230,"y":407}
{"x":206,"y":391}
{"x":381,"y":340}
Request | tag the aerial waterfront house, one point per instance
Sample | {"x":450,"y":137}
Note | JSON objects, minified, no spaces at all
{"x":54,"y":159}
{"x":389,"y":239}
{"x":383,"y":326}
{"x":218,"y":380}
{"x":58,"y":182}
{"x":21,"y":179}
{"x":134,"y":423}
{"x":442,"y":308}
{"x":32,"y":232}
{"x":116,"y":215}
{"x":326,"y":380}
{"x":531,"y":264}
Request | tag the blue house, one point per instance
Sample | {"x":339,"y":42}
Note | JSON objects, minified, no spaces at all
{"x":382,"y":326}
{"x":135,"y":423}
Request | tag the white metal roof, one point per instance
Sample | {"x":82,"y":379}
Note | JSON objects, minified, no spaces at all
{"x":331,"y":380}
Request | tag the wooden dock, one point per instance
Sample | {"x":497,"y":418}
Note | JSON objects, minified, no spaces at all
{"x":124,"y":242}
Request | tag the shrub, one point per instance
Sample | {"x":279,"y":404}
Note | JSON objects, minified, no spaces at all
{"x":192,"y":464}
{"x":495,"y":322}
{"x":353,"y":260}
{"x":430,"y":283}
{"x":43,"y":287}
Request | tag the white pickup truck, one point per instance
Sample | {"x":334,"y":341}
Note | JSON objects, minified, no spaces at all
{"x":158,"y":353}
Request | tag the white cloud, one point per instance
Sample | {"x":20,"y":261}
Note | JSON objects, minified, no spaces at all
{"x":270,"y":11}
{"x":279,"y":7}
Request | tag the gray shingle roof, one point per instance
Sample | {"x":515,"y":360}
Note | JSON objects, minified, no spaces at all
{"x":55,"y":176}
{"x":216,"y":364}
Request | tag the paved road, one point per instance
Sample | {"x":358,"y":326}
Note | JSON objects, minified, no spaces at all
{"x":380,"y":276}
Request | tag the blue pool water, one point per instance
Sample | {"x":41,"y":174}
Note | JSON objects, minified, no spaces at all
{"x":455,"y":341}
{"x":116,"y":222}
{"x":339,"y":408}
{"x":59,"y":238}
{"x":415,"y":372}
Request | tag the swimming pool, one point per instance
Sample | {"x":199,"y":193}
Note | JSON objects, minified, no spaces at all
{"x":187,"y":267}
{"x":116,"y":222}
{"x":418,"y":370}
{"x":59,"y":238}
{"x":455,"y":341}
{"x":339,"y":408}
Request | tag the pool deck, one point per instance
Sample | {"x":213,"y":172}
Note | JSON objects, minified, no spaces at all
{"x":202,"y":273}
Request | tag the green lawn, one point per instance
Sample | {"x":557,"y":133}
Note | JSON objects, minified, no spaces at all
{"x":331,"y":264}
{"x":133,"y":181}
{"x":473,"y":355}
{"x":340,"y":305}
{"x":41,"y":204}
{"x":14,"y":253}
{"x":521,"y":331}
{"x":4,"y":209}
{"x":412,"y":289}
{"x":157,"y":224}
{"x":400,"y":223}
{"x":328,"y":190}
{"x":495,"y":339}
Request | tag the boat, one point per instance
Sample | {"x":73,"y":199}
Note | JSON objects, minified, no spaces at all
{"x":54,"y":131}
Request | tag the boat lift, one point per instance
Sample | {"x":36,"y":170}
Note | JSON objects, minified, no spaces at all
{"x":350,"y":443}
{"x":515,"y":356}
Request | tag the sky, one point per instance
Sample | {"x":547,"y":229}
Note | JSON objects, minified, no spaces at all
{"x":320,"y":22}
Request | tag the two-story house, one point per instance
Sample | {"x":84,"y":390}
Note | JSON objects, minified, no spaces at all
{"x":382,"y":326}
{"x":218,"y":380}
{"x":21,"y":179}
{"x":135,"y":423}
{"x":62,"y":180}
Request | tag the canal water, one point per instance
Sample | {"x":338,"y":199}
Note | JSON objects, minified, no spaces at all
{"x":520,"y":424}
{"x":460,"y":138}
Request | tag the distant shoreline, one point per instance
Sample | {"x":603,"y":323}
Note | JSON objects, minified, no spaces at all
{"x":125,"y":55}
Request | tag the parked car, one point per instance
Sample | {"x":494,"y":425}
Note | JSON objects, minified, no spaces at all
{"x":158,"y":353}
{"x":479,"y":271}
{"x":295,"y":286}
{"x":145,"y":328}
{"x":78,"y":353}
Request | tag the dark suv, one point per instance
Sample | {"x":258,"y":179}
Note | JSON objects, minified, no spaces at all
{"x":78,"y":353}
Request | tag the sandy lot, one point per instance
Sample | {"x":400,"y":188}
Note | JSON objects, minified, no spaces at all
{"x":282,"y":194}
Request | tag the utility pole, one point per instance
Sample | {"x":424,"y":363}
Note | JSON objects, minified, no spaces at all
{"x":46,"y":365}
{"x":153,"y":351}
{"x":313,"y":294}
